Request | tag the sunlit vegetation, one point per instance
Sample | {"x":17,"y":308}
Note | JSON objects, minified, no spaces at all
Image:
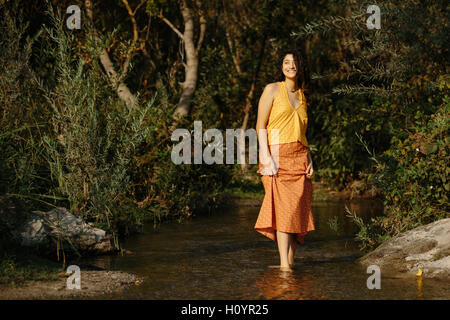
{"x":93,"y":136}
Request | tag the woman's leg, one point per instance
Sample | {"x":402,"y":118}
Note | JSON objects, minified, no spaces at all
{"x":292,"y":247}
{"x":283,"y":249}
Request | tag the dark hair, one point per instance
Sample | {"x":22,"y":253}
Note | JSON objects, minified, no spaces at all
{"x":301,"y":63}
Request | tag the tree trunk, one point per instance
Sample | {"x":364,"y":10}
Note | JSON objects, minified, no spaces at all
{"x":121,"y":88}
{"x":192,"y":53}
{"x":191,"y":66}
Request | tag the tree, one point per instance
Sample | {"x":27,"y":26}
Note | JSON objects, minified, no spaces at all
{"x":190,"y":11}
{"x":116,"y":79}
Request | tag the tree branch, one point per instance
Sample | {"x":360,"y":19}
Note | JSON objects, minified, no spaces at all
{"x":202,"y":29}
{"x":122,"y":90}
{"x":133,"y":43}
{"x":138,"y":6}
{"x":178,"y":32}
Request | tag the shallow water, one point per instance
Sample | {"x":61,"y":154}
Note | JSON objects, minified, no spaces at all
{"x":220,"y":256}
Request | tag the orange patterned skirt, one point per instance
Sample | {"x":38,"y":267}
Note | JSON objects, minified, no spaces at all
{"x":287,"y":203}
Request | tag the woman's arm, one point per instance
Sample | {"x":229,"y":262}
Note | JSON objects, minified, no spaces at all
{"x":264,"y":107}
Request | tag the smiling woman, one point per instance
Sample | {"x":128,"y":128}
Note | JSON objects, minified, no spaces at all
{"x":285,"y":162}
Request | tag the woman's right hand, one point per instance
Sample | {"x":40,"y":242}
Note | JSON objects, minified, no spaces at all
{"x":269,"y":167}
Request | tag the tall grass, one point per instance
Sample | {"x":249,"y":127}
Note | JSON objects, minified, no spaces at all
{"x":93,"y":138}
{"x":66,"y":140}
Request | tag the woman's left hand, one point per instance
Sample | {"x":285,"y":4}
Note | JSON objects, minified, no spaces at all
{"x":309,"y":170}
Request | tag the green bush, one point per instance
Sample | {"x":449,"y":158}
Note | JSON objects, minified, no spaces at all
{"x":414,"y":177}
{"x":176,"y":191}
{"x":94,"y":137}
{"x":341,"y":158}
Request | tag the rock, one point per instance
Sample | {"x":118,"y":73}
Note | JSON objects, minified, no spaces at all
{"x":426,"y":247}
{"x":42,"y":229}
{"x":33,"y":232}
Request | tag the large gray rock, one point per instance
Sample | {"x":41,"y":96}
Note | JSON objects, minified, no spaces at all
{"x":426,"y":247}
{"x":43,"y":229}
{"x":59,"y":223}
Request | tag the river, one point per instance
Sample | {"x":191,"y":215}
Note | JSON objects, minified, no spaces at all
{"x":220,"y":256}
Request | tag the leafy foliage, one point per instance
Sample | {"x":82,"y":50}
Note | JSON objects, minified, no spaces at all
{"x":377,"y":96}
{"x":398,"y":78}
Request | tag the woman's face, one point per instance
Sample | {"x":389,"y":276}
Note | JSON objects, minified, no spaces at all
{"x":289,"y":67}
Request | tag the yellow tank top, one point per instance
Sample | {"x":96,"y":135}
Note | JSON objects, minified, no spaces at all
{"x":291,"y":123}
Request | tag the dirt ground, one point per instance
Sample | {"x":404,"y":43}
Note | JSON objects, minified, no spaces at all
{"x":93,"y":283}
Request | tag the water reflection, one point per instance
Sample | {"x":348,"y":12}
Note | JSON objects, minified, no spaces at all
{"x":275,"y":284}
{"x":419,"y":288}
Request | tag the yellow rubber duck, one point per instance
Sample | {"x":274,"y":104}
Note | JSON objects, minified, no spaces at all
{"x":419,"y":272}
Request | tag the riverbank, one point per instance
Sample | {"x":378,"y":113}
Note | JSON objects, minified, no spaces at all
{"x":26,"y":276}
{"x":423,"y":251}
{"x":93,"y":283}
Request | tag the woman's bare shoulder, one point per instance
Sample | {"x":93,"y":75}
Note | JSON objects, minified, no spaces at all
{"x":272,"y":88}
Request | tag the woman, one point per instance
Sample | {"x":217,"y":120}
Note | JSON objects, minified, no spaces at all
{"x":285,"y":161}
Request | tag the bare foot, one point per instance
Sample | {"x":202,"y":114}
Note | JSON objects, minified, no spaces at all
{"x":282,"y":268}
{"x":286,"y":268}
